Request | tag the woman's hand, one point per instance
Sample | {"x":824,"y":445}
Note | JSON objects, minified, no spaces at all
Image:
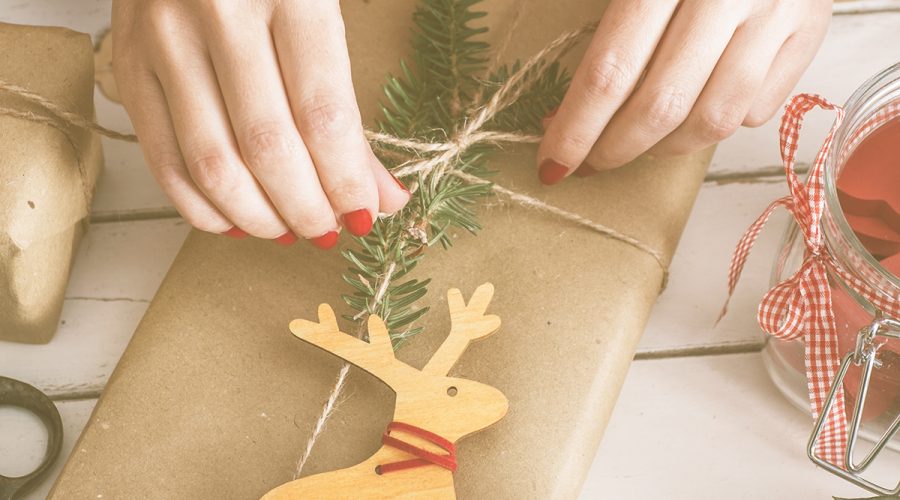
{"x":246,"y":114}
{"x":671,"y":77}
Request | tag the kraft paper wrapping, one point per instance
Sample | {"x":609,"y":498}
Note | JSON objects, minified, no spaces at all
{"x":47,"y":175}
{"x":214,"y":398}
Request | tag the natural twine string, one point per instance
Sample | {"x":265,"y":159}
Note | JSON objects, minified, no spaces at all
{"x":425,"y":158}
{"x":448,"y":151}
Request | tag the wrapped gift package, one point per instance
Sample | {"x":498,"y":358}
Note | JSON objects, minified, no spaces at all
{"x":214,"y":398}
{"x":47,"y":175}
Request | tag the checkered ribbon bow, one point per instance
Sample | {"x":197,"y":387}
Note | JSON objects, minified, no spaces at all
{"x":800,"y":306}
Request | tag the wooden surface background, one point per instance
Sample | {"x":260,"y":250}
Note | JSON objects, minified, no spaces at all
{"x":698,"y":416}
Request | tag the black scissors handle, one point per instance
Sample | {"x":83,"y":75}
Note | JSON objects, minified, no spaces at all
{"x":22,"y":395}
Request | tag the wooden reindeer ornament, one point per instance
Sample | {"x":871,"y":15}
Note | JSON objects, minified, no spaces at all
{"x":432,"y":411}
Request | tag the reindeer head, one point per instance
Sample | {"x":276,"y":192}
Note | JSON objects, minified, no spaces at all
{"x":451,"y":407}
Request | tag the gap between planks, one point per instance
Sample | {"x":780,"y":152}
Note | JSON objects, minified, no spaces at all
{"x":698,"y":351}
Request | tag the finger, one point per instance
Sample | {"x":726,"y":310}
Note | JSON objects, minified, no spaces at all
{"x":244,"y":59}
{"x":730,"y":91}
{"x":146,"y":105}
{"x":391,"y":199}
{"x":626,"y":37}
{"x":309,"y":38}
{"x":687,"y":54}
{"x":208,"y":145}
{"x":791,"y":61}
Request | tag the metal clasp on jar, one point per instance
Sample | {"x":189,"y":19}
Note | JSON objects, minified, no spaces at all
{"x":865,"y":355}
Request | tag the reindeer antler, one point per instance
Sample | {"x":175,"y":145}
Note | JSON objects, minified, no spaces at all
{"x":468,"y":323}
{"x":375,"y":356}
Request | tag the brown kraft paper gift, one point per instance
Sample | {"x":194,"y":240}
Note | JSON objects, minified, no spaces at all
{"x":47,"y":175}
{"x":214,"y":398}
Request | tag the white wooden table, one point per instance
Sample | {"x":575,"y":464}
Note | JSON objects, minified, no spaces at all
{"x":698,"y":416}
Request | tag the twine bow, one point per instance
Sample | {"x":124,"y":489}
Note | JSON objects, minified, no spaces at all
{"x":800,"y":306}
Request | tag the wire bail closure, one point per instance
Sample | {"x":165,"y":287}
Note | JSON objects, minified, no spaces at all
{"x":865,"y":355}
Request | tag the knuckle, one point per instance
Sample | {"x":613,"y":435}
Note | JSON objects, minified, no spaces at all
{"x":719,"y":121}
{"x":265,"y":143}
{"x":161,"y":17}
{"x":213,"y":171}
{"x":167,"y":165}
{"x":666,"y":109}
{"x":328,"y":118}
{"x":609,"y":75}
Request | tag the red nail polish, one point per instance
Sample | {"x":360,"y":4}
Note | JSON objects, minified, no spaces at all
{"x":236,"y":233}
{"x":286,"y":239}
{"x":402,"y":186}
{"x":585,"y":170}
{"x":326,"y":241}
{"x":552,"y":171}
{"x":358,"y":222}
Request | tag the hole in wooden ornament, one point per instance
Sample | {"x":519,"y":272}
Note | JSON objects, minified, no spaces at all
{"x":452,"y":391}
{"x":378,"y":470}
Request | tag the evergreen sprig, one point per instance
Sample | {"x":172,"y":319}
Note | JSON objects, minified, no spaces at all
{"x":429,"y":101}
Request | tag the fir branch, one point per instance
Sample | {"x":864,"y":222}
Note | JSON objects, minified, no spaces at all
{"x":428,"y":101}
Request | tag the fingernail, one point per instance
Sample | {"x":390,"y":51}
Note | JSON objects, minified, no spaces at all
{"x":550,"y":114}
{"x":286,"y":239}
{"x":585,"y":170}
{"x":236,"y":233}
{"x":402,"y":186}
{"x":552,"y":171}
{"x":358,"y":222}
{"x":326,"y":241}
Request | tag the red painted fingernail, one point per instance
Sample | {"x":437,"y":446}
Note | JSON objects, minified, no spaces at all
{"x":358,"y":222}
{"x":286,"y":239}
{"x":402,"y":186}
{"x":326,"y":241}
{"x":236,"y":233}
{"x":585,"y":170}
{"x":552,"y":171}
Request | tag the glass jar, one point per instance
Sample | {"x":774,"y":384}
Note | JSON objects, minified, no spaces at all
{"x":785,"y":360}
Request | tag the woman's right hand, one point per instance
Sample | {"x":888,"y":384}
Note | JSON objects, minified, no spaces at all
{"x":246,"y":114}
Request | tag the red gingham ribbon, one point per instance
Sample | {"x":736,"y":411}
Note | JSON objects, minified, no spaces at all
{"x":801,"y":304}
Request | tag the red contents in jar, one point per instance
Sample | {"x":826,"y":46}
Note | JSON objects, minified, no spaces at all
{"x":869,"y":190}
{"x":884,"y":387}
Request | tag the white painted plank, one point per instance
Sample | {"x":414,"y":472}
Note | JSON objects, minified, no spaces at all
{"x":116,"y":273}
{"x":856,"y":48}
{"x":685,"y":315}
{"x":27,"y":441}
{"x":710,"y":427}
{"x":125,"y":260}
